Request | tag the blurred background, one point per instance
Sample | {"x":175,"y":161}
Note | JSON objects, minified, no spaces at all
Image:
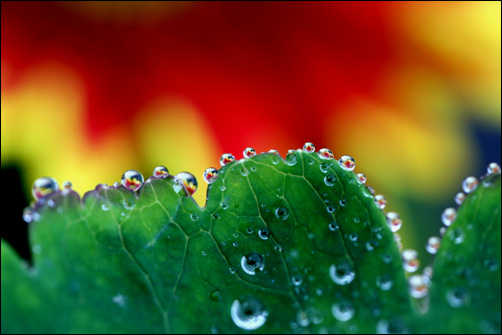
{"x":411,"y":90}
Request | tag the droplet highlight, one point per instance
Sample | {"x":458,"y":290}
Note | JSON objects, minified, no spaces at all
{"x":281,"y":213}
{"x":44,"y":186}
{"x":347,"y":163}
{"x":249,"y":314}
{"x":433,"y":244}
{"x":249,"y":152}
{"x":160,"y":172}
{"x":394,"y":221}
{"x":448,"y":216}
{"x":493,"y":168}
{"x":326,"y":154}
{"x":210,"y":175}
{"x":418,"y":287}
{"x":189,"y":180}
{"x":309,"y":147}
{"x":361,"y":178}
{"x":459,"y":198}
{"x":410,"y":260}
{"x":380,"y":201}
{"x":264,"y":233}
{"x":226,"y":159}
{"x":469,"y":184}
{"x":132,"y":180}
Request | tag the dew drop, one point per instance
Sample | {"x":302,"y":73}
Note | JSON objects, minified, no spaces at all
{"x":278,"y":248}
{"x":459,"y":198}
{"x":216,"y":216}
{"x":215,"y":295}
{"x":302,"y":319}
{"x":493,"y":168}
{"x":491,"y":264}
{"x":394,"y":326}
{"x":361,"y":178}
{"x":194,"y":217}
{"x":249,"y":152}
{"x":371,"y":245}
{"x":410,"y":260}
{"x":44,"y":186}
{"x":232,"y":270}
{"x":226,"y":159}
{"x":448,"y":216}
{"x":469,"y":184}
{"x":342,"y":202}
{"x":188,"y":180}
{"x":326,"y":154}
{"x":210,"y":175}
{"x":384,"y":282}
{"x":333,"y":226}
{"x":27,"y":215}
{"x":296,"y":280}
{"x":457,"y":297}
{"x":249,"y":314}
{"x":244,"y":172}
{"x":380,"y":201}
{"x":433,"y":244}
{"x":347,"y":163}
{"x":264,"y":233}
{"x":457,"y":236}
{"x":235,"y":244}
{"x":309,"y":147}
{"x":330,"y":180}
{"x":273,"y":151}
{"x":394,"y":221}
{"x":67,"y":185}
{"x":324,"y":167}
{"x":418,"y":286}
{"x":160,"y":172}
{"x":291,"y":159}
{"x":353,"y":237}
{"x":342,"y":274}
{"x":281,"y":213}
{"x":204,"y":253}
{"x":251,"y":262}
{"x":331,"y":209}
{"x":116,"y":184}
{"x":397,"y":239}
{"x":132,"y":180}
{"x":37,"y":249}
{"x":442,"y":231}
{"x":343,"y":311}
{"x":104,"y":207}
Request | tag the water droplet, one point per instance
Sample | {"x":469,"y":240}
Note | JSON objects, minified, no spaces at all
{"x":342,"y":202}
{"x":226,"y":159}
{"x":326,"y":154}
{"x":204,"y":253}
{"x":232,"y":270}
{"x":210,"y":175}
{"x":281,"y":213}
{"x":469,"y":184}
{"x":104,"y":207}
{"x":44,"y":186}
{"x":37,"y":249}
{"x":433,"y":244}
{"x":457,"y":236}
{"x":459,"y":198}
{"x":442,"y":231}
{"x":235,"y":244}
{"x":188,"y":180}
{"x":353,"y":237}
{"x":291,"y":159}
{"x":302,"y":319}
{"x":249,"y":314}
{"x":493,"y":168}
{"x":397,"y":238}
{"x":418,"y":286}
{"x":491,"y":264}
{"x":342,"y":274}
{"x":333,"y":226}
{"x":160,"y":172}
{"x":273,"y":151}
{"x":116,"y":184}
{"x":278,"y":248}
{"x":264,"y":233}
{"x":457,"y":297}
{"x":249,"y":230}
{"x":194,"y":216}
{"x":380,"y":201}
{"x":324,"y":167}
{"x":343,"y":311}
{"x":410,"y":260}
{"x":249,"y":152}
{"x":296,"y":280}
{"x":251,"y":262}
{"x":119,"y":299}
{"x":371,"y":245}
{"x":394,"y":326}
{"x":216,"y":216}
{"x":361,"y":178}
{"x":371,"y":190}
{"x":309,"y":147}
{"x":394,"y":221}
{"x":244,"y":172}
{"x":224,"y":205}
{"x":28,"y":215}
{"x":51,"y":203}
{"x":347,"y":163}
{"x":67,"y":185}
{"x":331,"y":209}
{"x":384,"y":282}
{"x":132,"y":180}
{"x":330,"y":179}
{"x":448,"y":216}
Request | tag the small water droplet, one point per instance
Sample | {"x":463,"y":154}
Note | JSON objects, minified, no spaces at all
{"x":67,"y":185}
{"x":418,"y":287}
{"x":264,"y":233}
{"x":397,"y":238}
{"x":342,"y":202}
{"x":278,"y":248}
{"x":224,"y":205}
{"x":333,"y":226}
{"x":442,"y":231}
{"x":37,"y":249}
{"x":249,"y":230}
{"x":448,"y":216}
{"x":273,"y":151}
{"x":244,"y":172}
{"x":493,"y":168}
{"x":371,"y":245}
{"x":342,"y":274}
{"x":28,"y":215}
{"x":331,"y":209}
{"x":296,"y":280}
{"x":457,"y":236}
{"x":104,"y":207}
{"x":309,"y":147}
{"x":353,"y":237}
{"x":433,"y":244}
{"x":160,"y":172}
{"x":194,"y":216}
{"x":248,"y":314}
{"x":326,"y":154}
{"x":189,"y":180}
{"x":132,"y":180}
{"x":410,"y":260}
{"x":380,"y":201}
{"x":324,"y":166}
{"x":302,"y":319}
{"x":457,"y":297}
{"x":343,"y":311}
{"x":232,"y":270}
{"x":210,"y":175}
{"x":216,"y":216}
{"x":235,"y":244}
{"x":469,"y":184}
{"x":51,"y":203}
{"x":347,"y":163}
{"x":44,"y":186}
{"x":491,"y":264}
{"x":361,"y":178}
{"x":384,"y":282}
{"x":394,"y":326}
{"x":251,"y":262}
{"x":330,"y":179}
{"x":459,"y":198}
{"x":291,"y":159}
{"x":249,"y":152}
{"x":128,"y":204}
{"x":281,"y":213}
{"x":116,"y":184}
{"x":226,"y":159}
{"x":394,"y":221}
{"x":204,"y":253}
{"x":215,"y":295}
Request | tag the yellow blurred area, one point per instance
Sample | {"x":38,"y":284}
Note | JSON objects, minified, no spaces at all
{"x":172,"y":133}
{"x":403,"y":153}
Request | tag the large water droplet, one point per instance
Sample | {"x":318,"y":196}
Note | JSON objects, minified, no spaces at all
{"x":132,"y":180}
{"x":189,"y":180}
{"x":226,"y":159}
{"x":493,"y":168}
{"x":433,"y":244}
{"x":251,"y":262}
{"x":342,"y":273}
{"x":160,"y":172}
{"x":380,"y":201}
{"x":326,"y":154}
{"x":248,"y":315}
{"x":330,"y":179}
{"x":210,"y":175}
{"x":361,"y":178}
{"x":281,"y":213}
{"x":448,"y":216}
{"x":343,"y":311}
{"x":309,"y":147}
{"x":394,"y":221}
{"x":249,"y":152}
{"x":469,"y":184}
{"x":44,"y":186}
{"x":459,"y":198}
{"x":347,"y":163}
{"x":410,"y":260}
{"x":418,"y":286}
{"x":264,"y":233}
